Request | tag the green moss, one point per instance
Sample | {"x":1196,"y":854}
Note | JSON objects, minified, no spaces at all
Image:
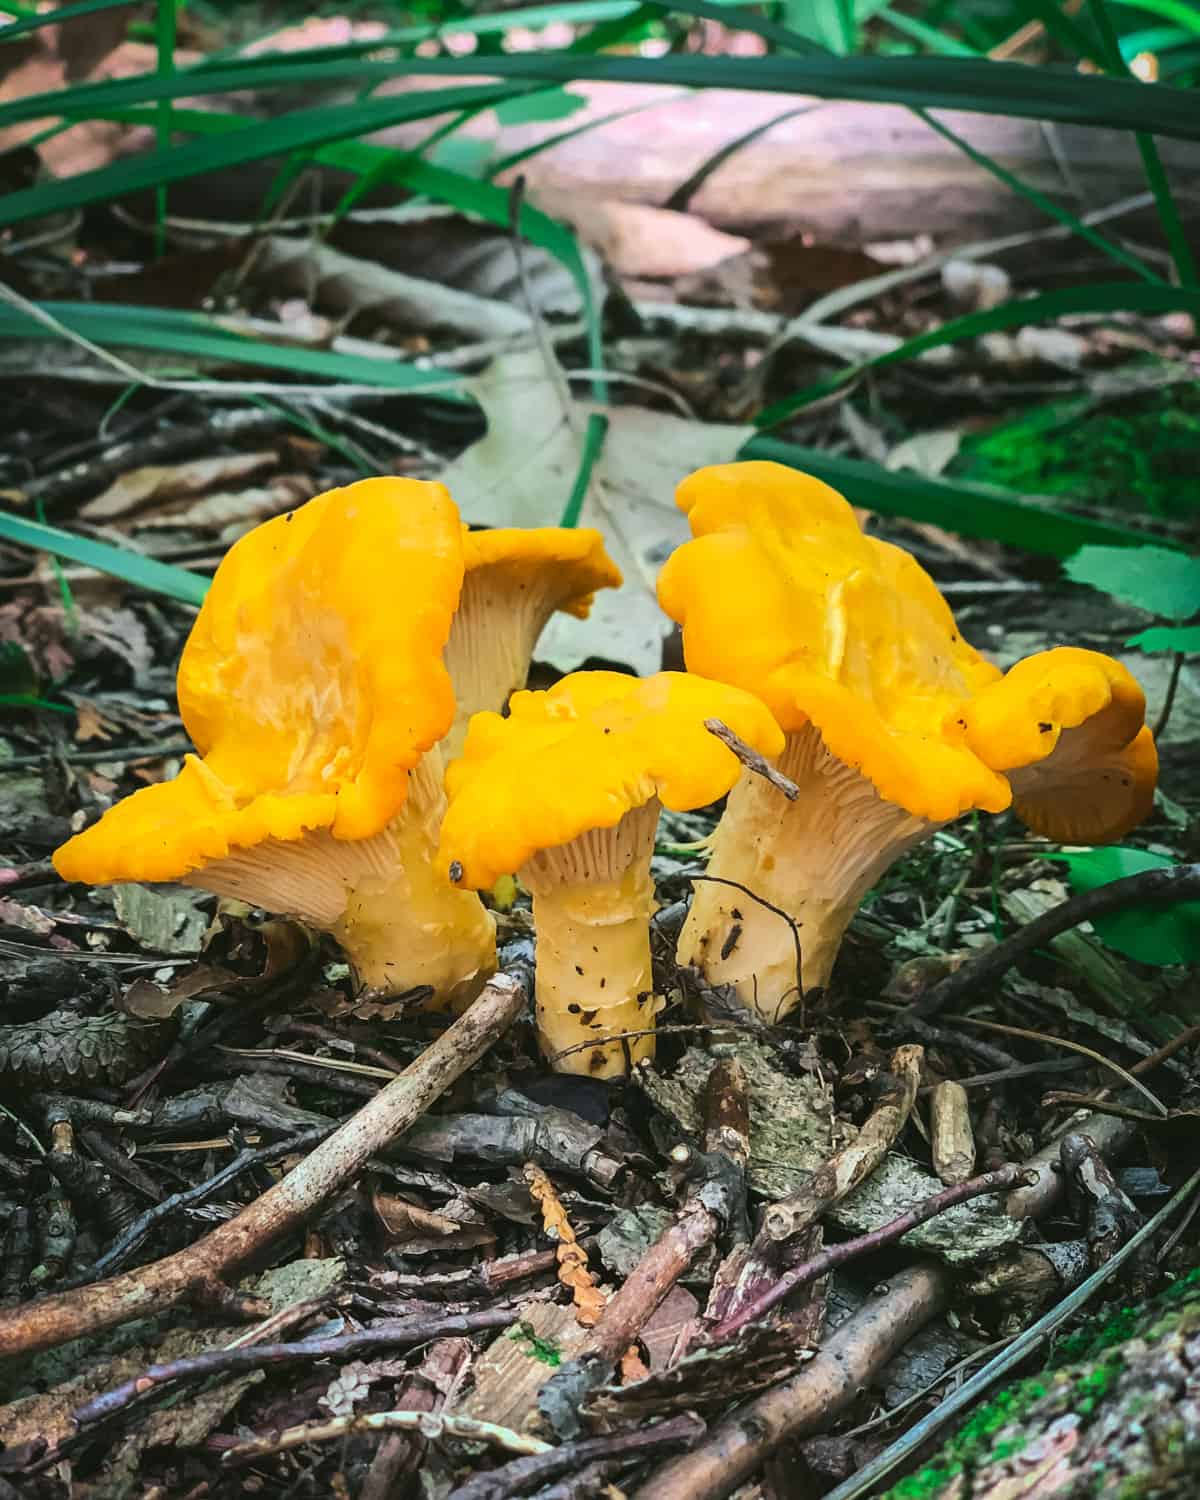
{"x":539,"y":1348}
{"x":1140,"y":452}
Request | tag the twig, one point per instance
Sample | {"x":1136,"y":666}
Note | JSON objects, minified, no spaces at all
{"x":1111,"y":1138}
{"x":435,"y":1426}
{"x":525,"y":1474}
{"x":752,"y":760}
{"x":713,"y":1202}
{"x":1166,"y":886}
{"x":1164,"y":716}
{"x":844,"y":1171}
{"x":199,"y":1269}
{"x":396,"y":1334}
{"x":137,"y":1231}
{"x":812,"y":1398}
{"x":1003,"y":1178}
{"x":917,"y":1436}
{"x":1059,"y":1041}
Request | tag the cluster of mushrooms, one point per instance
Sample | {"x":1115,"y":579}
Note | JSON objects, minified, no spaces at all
{"x":345,"y":682}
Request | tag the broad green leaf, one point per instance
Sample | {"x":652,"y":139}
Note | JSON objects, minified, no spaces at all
{"x":1150,"y":934}
{"x":553,"y":104}
{"x":1185,"y":638}
{"x":1156,"y":579}
{"x":970,"y":510}
{"x":133,"y":567}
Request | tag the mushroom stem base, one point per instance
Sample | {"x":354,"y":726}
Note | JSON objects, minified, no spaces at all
{"x":813,"y":859}
{"x":592,"y":902}
{"x":401,"y":923}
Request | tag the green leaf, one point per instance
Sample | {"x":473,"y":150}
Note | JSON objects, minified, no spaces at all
{"x":133,"y":567}
{"x":1150,"y":934}
{"x":553,"y":104}
{"x":970,"y":510}
{"x":1185,"y":638}
{"x":54,"y":17}
{"x":1156,"y":579}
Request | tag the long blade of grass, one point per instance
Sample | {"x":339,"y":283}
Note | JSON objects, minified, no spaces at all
{"x":1111,"y":248}
{"x":973,"y":84}
{"x":1168,"y":213}
{"x":467,"y":194}
{"x":970,"y":510}
{"x":1104,"y":297}
{"x":144,"y":572}
{"x":194,"y":336}
{"x":297,"y":131}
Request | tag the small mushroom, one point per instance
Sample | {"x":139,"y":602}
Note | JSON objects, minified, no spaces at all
{"x":895,"y":725}
{"x":566,"y":792}
{"x":515,"y":580}
{"x":313,"y":687}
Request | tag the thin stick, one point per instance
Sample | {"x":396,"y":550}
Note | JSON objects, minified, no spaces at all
{"x":999,"y":1181}
{"x":201,"y":1268}
{"x":433,"y":1425}
{"x":1164,"y":717}
{"x":752,"y":760}
{"x":1164,"y":885}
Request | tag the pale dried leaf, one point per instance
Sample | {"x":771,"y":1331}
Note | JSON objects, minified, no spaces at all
{"x":928,"y":453}
{"x":157,"y":483}
{"x":521,"y":473}
{"x":637,"y":239}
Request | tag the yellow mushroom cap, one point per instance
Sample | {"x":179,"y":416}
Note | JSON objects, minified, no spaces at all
{"x":568,"y":564}
{"x":311,"y":683}
{"x":1068,"y":727}
{"x":782,"y":594}
{"x":583,"y":754}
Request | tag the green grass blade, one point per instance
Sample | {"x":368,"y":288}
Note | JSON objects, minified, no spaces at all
{"x":969,"y":510}
{"x":196,"y":337}
{"x":1168,"y":213}
{"x":297,"y":131}
{"x":1111,"y":248}
{"x":1104,"y":297}
{"x":132,"y":567}
{"x":916,"y":30}
{"x":977,"y":85}
{"x":1187,"y":16}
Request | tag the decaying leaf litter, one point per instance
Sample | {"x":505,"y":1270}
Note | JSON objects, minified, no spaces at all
{"x":491,"y":1273}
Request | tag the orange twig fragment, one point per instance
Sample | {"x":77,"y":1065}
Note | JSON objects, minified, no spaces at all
{"x":573,"y":1269}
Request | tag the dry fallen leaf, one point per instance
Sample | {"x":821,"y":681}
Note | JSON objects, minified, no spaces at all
{"x":157,"y":484}
{"x":521,"y":473}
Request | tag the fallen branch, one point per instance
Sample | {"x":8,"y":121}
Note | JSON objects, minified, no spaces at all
{"x":201,"y":1269}
{"x":810,"y":1399}
{"x":1165,"y":886}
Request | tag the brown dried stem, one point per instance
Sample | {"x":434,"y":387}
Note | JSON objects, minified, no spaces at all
{"x":199,"y":1270}
{"x":758,"y":764}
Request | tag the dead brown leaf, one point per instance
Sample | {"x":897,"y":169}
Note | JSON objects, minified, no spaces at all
{"x":156,"y":484}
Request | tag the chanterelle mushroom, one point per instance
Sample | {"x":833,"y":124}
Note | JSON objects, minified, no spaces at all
{"x":515,"y":580}
{"x":566,"y":792}
{"x":313,"y":687}
{"x":894,"y":724}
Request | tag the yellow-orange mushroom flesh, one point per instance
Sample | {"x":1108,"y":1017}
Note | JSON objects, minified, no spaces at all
{"x":315,"y":692}
{"x":566,"y":792}
{"x":895,"y":725}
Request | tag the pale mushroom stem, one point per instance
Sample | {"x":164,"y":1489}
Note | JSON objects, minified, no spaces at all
{"x":813,"y":859}
{"x":384,"y":898}
{"x":592,"y":903}
{"x":495,"y":629}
